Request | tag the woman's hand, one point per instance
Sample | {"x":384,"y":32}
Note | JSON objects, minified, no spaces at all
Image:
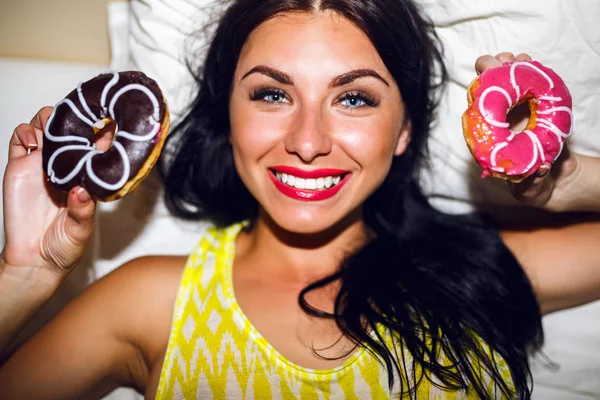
{"x":46,"y":231}
{"x":572,"y":183}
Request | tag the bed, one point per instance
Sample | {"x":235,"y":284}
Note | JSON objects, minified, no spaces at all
{"x":149,"y":36}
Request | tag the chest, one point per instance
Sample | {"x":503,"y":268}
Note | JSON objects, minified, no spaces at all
{"x":304,"y":339}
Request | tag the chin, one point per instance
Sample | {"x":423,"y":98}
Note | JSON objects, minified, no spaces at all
{"x":302,"y":221}
{"x":304,"y":227}
{"x":311,"y":223}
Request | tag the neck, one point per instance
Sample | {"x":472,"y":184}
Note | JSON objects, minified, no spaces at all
{"x":302,"y":257}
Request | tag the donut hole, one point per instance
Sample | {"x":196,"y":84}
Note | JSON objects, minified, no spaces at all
{"x":105,"y":136}
{"x":518,"y":118}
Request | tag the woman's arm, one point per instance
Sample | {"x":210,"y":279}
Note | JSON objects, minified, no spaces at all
{"x":110,"y":336}
{"x":562,"y":261}
{"x":562,"y":258}
{"x":22,"y":295}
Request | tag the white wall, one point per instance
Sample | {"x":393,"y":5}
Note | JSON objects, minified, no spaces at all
{"x":62,"y":30}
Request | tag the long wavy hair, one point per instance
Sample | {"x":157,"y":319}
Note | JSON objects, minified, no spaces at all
{"x":439,"y":284}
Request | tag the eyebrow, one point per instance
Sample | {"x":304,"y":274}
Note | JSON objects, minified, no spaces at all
{"x":273,"y":73}
{"x":351,"y":76}
{"x":340,"y":80}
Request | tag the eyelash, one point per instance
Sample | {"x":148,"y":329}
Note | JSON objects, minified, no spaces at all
{"x":260,"y":94}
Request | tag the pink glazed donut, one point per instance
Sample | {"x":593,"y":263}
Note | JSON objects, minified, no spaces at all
{"x":501,"y":152}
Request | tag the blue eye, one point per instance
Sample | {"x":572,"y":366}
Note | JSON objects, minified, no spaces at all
{"x":352,"y":101}
{"x":356,"y":99}
{"x":274,"y":96}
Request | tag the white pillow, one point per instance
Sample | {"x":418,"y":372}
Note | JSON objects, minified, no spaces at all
{"x":158,"y":31}
{"x":561,"y":35}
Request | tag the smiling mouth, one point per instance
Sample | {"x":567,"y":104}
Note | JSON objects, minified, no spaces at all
{"x":321,"y":183}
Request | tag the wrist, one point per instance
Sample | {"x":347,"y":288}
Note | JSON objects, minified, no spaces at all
{"x":24,"y":291}
{"x":585,"y":185}
{"x":27,"y":280}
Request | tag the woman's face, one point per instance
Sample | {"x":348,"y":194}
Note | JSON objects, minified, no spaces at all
{"x":316,"y":119}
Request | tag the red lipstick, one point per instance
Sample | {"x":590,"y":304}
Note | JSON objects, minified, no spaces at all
{"x":314,"y":174}
{"x":308,"y":195}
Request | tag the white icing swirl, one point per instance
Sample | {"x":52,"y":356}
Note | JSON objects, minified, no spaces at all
{"x":110,"y":84}
{"x":486,"y":115}
{"x":513,"y":80}
{"x":84,"y":103}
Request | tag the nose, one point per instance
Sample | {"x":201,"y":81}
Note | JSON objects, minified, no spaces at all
{"x":308,"y":135}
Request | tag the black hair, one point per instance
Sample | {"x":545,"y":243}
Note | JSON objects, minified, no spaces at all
{"x":440,"y":284}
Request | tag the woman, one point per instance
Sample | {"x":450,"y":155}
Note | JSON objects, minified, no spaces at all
{"x":327,"y":274}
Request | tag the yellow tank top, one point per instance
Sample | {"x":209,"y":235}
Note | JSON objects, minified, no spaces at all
{"x":214,"y":351}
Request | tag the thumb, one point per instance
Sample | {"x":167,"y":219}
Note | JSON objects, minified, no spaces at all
{"x":67,"y":237}
{"x":536,"y":189}
{"x":79,"y":223}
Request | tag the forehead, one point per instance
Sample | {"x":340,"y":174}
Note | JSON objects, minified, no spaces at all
{"x":325,"y":40}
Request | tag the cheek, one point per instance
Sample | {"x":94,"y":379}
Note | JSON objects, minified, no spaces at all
{"x":252,"y":135}
{"x":371,"y":141}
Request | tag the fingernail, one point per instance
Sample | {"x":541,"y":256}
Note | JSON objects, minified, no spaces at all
{"x":543,"y":170}
{"x":83,"y":195}
{"x":31,"y":141}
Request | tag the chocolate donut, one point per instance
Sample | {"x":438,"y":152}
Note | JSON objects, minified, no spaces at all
{"x":131,"y":100}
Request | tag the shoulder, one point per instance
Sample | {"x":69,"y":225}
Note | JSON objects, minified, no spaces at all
{"x":141,"y":295}
{"x":133,"y":305}
{"x":150,"y":275}
{"x":141,"y":274}
{"x":138,"y":287}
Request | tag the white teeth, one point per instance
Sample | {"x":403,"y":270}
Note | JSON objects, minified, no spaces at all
{"x":310,"y":183}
